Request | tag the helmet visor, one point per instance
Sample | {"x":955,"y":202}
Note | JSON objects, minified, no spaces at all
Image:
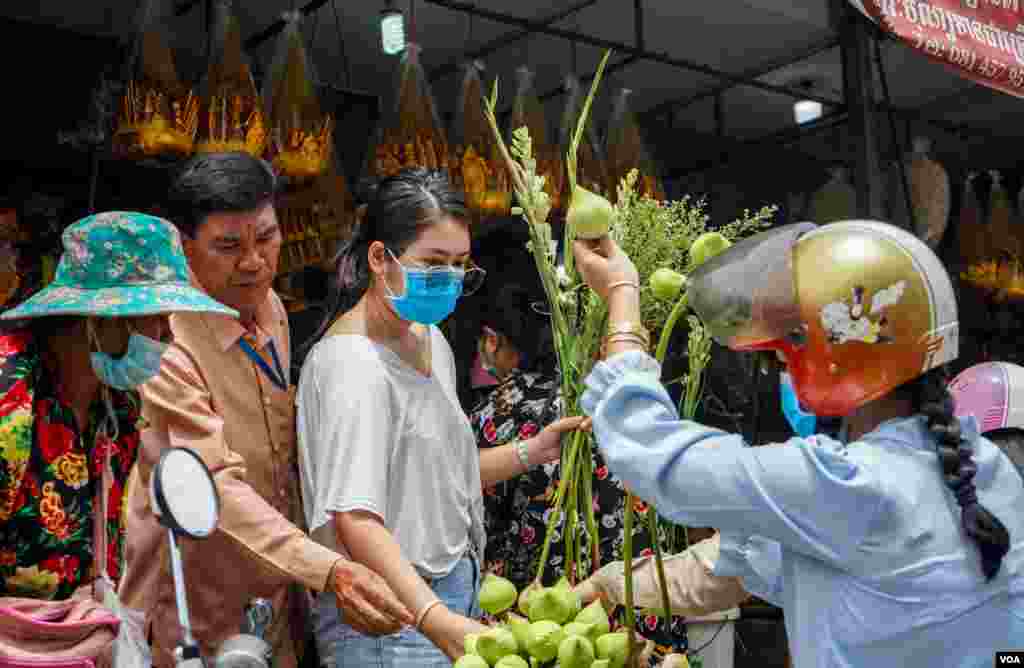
{"x":745,"y":296}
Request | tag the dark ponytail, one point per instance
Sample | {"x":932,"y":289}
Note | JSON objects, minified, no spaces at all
{"x":958,"y":470}
{"x":393,"y":211}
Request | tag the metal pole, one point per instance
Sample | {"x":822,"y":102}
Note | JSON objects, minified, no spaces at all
{"x":754,"y":73}
{"x":94,"y":177}
{"x":626,"y":49}
{"x":341,"y":45}
{"x":859,"y":84}
{"x":614,"y":67}
{"x":900,"y":161}
{"x":718,"y":175}
{"x":278,"y":26}
{"x":186,"y":7}
{"x":506,"y":40}
{"x":638,"y":24}
{"x":179,"y":590}
{"x":781,"y":138}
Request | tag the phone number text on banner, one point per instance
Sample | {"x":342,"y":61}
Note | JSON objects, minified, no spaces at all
{"x":982,"y":40}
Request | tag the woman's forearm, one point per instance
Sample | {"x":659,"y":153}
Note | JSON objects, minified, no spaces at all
{"x":623,"y":307}
{"x":499,"y":464}
{"x":369,"y":542}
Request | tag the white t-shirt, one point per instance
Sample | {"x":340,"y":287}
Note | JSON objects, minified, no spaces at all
{"x":376,"y":435}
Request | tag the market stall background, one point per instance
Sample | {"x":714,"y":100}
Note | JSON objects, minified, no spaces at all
{"x":713,"y":87}
{"x":789,"y":45}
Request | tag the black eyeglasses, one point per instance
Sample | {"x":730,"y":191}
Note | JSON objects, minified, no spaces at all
{"x":540,"y":307}
{"x":472,"y":275}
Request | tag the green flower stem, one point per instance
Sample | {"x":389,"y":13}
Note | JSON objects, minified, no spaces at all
{"x":652,"y":512}
{"x":652,"y":526}
{"x":670,"y":325}
{"x":559,"y":503}
{"x":627,"y":567}
{"x":571,"y":518}
{"x":556,"y":512}
{"x":570,"y":158}
{"x":588,"y":499}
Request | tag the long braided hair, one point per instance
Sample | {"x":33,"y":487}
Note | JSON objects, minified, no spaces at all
{"x":933,"y":400}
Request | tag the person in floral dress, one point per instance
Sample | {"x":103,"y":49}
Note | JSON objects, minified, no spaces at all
{"x":71,"y":357}
{"x":515,"y":347}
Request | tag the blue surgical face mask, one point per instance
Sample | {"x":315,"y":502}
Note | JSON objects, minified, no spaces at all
{"x":140,"y":362}
{"x":803,"y":423}
{"x":430,"y":294}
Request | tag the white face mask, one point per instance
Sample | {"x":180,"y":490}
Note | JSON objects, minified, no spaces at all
{"x":140,"y":362}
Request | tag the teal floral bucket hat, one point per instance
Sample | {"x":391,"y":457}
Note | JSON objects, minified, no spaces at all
{"x":119,"y":264}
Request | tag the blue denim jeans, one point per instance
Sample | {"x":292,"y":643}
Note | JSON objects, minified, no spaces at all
{"x":408,"y":648}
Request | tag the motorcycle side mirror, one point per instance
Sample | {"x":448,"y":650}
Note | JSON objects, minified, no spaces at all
{"x":183,"y":494}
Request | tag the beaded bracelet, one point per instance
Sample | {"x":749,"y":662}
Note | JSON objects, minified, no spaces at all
{"x":523,"y":453}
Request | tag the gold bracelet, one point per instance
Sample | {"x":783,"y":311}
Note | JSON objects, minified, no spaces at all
{"x":423,"y":613}
{"x":633,"y":328}
{"x":614,"y":338}
{"x":626,"y":338}
{"x":619,"y":284}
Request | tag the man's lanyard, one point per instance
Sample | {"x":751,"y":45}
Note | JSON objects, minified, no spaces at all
{"x":276,"y":376}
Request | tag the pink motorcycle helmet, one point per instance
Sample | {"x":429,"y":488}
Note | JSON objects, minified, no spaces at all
{"x":993,"y":393}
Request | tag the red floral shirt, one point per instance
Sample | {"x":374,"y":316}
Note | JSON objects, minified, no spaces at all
{"x":49,"y":476}
{"x":518,"y":510}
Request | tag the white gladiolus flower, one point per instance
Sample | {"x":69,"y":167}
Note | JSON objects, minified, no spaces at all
{"x":562,"y":275}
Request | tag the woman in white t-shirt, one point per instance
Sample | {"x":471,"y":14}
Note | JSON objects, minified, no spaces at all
{"x":390,"y":469}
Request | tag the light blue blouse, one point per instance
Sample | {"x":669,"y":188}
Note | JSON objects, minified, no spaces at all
{"x":860,"y":544}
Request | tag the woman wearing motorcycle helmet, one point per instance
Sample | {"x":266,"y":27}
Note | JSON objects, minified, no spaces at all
{"x":892,"y":547}
{"x":993,"y":392}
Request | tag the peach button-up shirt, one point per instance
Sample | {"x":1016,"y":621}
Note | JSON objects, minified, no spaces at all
{"x":211,"y":397}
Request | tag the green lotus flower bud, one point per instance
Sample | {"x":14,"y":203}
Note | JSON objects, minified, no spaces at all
{"x":563,"y":586}
{"x":497,"y":594}
{"x":575,"y":652}
{"x":706,"y":246}
{"x":579,"y":629}
{"x":512,"y":661}
{"x":589,"y":214}
{"x":554,"y":605}
{"x":600,"y":663}
{"x":519,"y":628}
{"x":526,"y":595}
{"x":470,"y":661}
{"x":595,"y":615}
{"x":496,"y":643}
{"x":543,"y":640}
{"x":613,"y":646}
{"x":666,"y":284}
{"x":469,"y":642}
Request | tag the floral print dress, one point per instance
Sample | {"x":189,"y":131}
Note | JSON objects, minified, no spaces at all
{"x":49,"y":475}
{"x":517,"y":511}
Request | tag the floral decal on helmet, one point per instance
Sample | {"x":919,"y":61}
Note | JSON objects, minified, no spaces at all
{"x":846,"y":321}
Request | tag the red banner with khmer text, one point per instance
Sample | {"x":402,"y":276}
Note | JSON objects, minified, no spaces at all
{"x":981,"y":40}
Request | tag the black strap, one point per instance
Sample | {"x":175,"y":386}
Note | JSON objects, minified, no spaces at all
{"x":276,"y":376}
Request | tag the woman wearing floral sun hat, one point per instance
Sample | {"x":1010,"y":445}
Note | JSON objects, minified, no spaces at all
{"x":71,"y":358}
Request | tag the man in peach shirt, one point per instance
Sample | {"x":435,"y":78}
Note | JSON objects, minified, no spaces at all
{"x":223,"y":391}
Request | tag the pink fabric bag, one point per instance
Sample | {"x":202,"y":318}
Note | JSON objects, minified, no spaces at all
{"x":76,"y":633}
